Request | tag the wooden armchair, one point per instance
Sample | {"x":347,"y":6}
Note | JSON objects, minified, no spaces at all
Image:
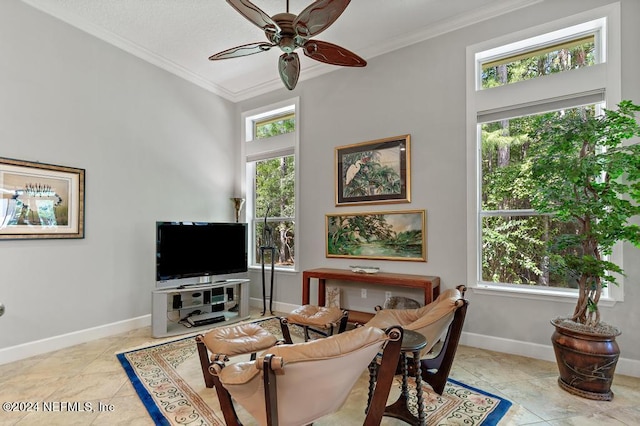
{"x":299,"y":383}
{"x":441,"y":320}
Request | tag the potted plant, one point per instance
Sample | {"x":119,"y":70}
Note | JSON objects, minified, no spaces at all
{"x":586,"y":174}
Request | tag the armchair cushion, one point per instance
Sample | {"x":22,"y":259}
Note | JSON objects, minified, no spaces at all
{"x":339,"y":345}
{"x":431,"y":320}
{"x":239,"y":339}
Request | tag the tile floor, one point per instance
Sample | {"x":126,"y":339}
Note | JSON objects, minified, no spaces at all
{"x":91,"y":373}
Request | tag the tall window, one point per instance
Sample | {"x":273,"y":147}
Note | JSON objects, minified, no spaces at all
{"x":514,"y":237}
{"x":270,"y":148}
{"x":514,"y":84}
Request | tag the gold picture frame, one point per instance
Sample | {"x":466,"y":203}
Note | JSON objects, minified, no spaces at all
{"x":40,"y":201}
{"x":386,"y":235}
{"x":374,"y":172}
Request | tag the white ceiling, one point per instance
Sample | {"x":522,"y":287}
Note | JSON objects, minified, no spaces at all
{"x":180,"y":35}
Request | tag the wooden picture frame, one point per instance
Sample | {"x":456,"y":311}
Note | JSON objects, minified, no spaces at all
{"x":374,"y":172}
{"x":390,"y":235}
{"x":39,"y":201}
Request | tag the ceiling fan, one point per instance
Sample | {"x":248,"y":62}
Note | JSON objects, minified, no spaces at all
{"x":289,"y":32}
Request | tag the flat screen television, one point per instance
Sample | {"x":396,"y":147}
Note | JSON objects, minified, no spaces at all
{"x":199,"y":249}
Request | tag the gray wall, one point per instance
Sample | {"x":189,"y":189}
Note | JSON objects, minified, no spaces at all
{"x":421,"y":90}
{"x":154,"y":147}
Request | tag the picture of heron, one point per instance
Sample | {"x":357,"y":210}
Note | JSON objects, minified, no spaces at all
{"x":397,"y":235}
{"x":373,"y":172}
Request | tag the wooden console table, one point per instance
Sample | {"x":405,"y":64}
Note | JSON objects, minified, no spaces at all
{"x":430,"y":285}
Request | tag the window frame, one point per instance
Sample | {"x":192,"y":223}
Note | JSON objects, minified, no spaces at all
{"x":263,"y":149}
{"x":546,"y":93}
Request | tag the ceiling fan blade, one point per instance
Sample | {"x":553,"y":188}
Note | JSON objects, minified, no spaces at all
{"x":332,"y":54}
{"x":289,"y":67}
{"x":254,"y":14}
{"x":318,"y":16}
{"x":244,"y":50}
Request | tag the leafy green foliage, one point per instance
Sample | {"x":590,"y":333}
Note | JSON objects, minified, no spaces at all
{"x":275,"y":127}
{"x":583,"y":172}
{"x":514,"y":248}
{"x":538,"y":65}
{"x":275,"y":198}
{"x":544,"y":250}
{"x":275,"y":184}
{"x":575,"y":170}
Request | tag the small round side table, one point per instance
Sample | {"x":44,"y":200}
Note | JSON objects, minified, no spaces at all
{"x":412,"y":342}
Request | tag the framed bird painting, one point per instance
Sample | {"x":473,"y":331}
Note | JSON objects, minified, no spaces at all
{"x":374,"y":172}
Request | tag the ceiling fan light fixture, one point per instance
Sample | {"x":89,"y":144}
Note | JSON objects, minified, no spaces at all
{"x":289,"y":67}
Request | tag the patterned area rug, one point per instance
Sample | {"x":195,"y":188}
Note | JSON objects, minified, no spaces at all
{"x":168,"y":380}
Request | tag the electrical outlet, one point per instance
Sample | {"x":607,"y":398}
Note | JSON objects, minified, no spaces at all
{"x":387,"y":295}
{"x":1,"y":309}
{"x":363,"y":293}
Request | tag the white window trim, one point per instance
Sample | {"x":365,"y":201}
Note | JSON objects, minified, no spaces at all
{"x":280,"y":145}
{"x":534,"y":94}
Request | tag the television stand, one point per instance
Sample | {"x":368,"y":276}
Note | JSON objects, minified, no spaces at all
{"x":192,"y":308}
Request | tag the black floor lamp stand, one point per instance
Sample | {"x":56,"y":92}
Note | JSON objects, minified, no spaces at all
{"x":272,"y":250}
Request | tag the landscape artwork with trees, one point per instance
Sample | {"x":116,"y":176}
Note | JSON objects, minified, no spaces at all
{"x":394,"y":235}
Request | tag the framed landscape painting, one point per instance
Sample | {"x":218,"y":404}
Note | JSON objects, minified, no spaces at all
{"x":40,"y":200}
{"x":392,"y":235}
{"x":374,"y":172}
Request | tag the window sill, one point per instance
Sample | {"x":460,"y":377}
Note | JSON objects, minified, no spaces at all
{"x":517,"y":292}
{"x":277,"y":269}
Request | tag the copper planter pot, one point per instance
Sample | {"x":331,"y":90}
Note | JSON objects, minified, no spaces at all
{"x":586,"y":362}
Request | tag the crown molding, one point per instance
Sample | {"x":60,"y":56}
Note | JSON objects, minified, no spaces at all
{"x":315,"y":70}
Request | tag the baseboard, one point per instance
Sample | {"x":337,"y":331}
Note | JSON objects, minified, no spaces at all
{"x":255,"y":302}
{"x":627,"y":367}
{"x":26,"y":350}
{"x":38,"y":347}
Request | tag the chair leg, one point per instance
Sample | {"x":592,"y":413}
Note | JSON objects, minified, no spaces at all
{"x":204,"y":361}
{"x":270,"y":391}
{"x":226,"y":404}
{"x":343,"y":321}
{"x":390,"y":357}
{"x":286,"y":334}
{"x":373,"y":374}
